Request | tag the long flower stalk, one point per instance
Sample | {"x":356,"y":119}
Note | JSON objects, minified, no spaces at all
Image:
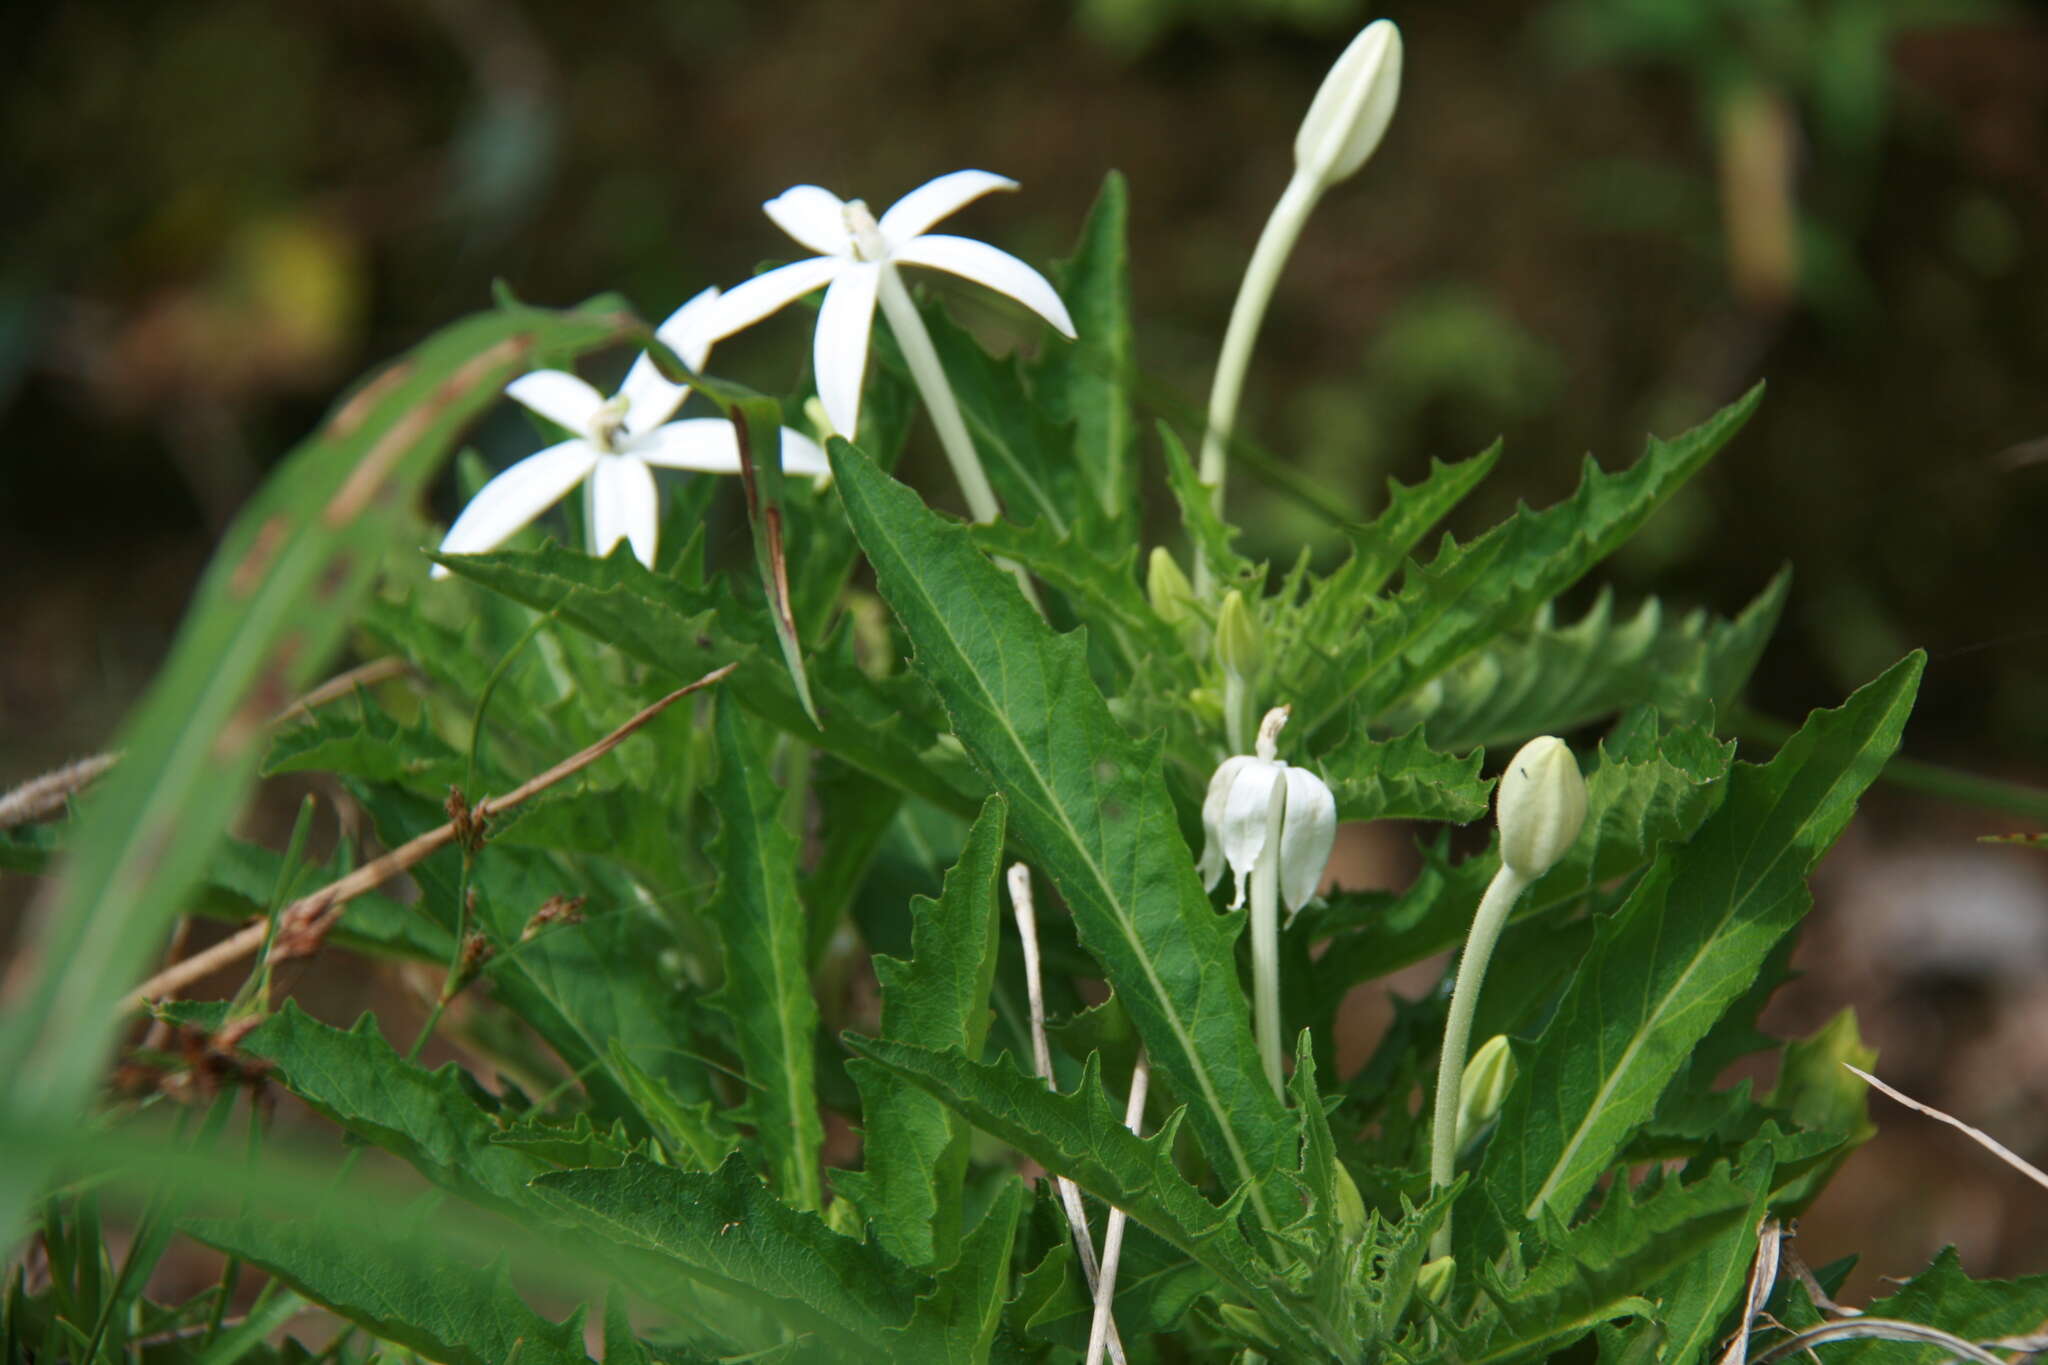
{"x":1343,"y":127}
{"x":1540,"y":806}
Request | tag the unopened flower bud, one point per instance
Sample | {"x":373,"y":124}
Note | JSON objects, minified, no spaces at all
{"x":1542,"y":804}
{"x":1167,"y":588}
{"x":1240,"y":642}
{"x":1487,"y":1077}
{"x":1433,"y":1281}
{"x":1351,"y":111}
{"x":1351,"y":1219}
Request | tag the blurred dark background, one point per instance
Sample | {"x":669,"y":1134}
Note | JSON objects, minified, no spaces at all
{"x":1591,"y":219}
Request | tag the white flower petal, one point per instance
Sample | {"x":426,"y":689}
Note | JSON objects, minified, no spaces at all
{"x":652,"y":398}
{"x":1306,"y":837}
{"x":516,"y":497}
{"x":915,"y":212}
{"x":1211,"y":865}
{"x":839,"y":352}
{"x":998,"y":269}
{"x":802,"y":455}
{"x":559,"y":396}
{"x":703,"y":444}
{"x":687,"y":331}
{"x":623,"y":506}
{"x":814,"y":216}
{"x":1247,"y":815}
{"x":743,"y":305}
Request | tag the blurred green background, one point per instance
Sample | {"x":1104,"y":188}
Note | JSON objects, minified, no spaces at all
{"x":1591,"y":219}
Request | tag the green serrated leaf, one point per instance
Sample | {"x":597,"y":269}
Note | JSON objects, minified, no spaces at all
{"x":1211,"y":535}
{"x":402,"y":1289}
{"x":429,"y":1118}
{"x":1468,"y":594}
{"x":1088,"y":807}
{"x":1694,"y":1301}
{"x":724,"y":1229}
{"x":1944,"y":1296}
{"x":1683,"y":947}
{"x":914,"y":1149}
{"x":1403,"y":779}
{"x":956,"y":1323}
{"x":1088,"y":382}
{"x":686,"y":630}
{"x":1102,"y":591}
{"x":767,"y":990}
{"x":362,"y":740}
{"x":1081,"y":1135}
{"x":1597,"y":1271}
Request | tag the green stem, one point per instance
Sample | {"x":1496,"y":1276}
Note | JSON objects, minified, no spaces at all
{"x":930,"y":377}
{"x":1501,"y":894}
{"x":1261,"y":275}
{"x":1265,"y":932}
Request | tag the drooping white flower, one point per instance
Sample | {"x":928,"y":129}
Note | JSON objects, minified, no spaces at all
{"x":1237,"y":819}
{"x":857,"y":252}
{"x":617,"y":440}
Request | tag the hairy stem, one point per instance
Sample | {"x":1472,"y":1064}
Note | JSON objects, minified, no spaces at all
{"x":1501,"y":894}
{"x":1269,"y":257}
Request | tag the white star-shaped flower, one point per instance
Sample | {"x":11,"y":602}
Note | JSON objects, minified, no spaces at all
{"x":857,"y":248}
{"x":617,"y":440}
{"x":1238,"y":819}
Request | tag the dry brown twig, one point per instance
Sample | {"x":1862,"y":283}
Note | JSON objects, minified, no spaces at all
{"x":303,"y":925}
{"x":1763,"y":1274}
{"x":1977,"y":1135}
{"x":41,"y":797}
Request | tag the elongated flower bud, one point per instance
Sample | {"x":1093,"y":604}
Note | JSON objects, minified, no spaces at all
{"x":1350,"y":113}
{"x":1542,"y":804}
{"x":1240,"y":643}
{"x":1487,"y":1078}
{"x":1167,"y":588}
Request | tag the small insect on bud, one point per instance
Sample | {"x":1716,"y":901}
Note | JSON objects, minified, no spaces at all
{"x":1487,"y":1078}
{"x":1167,"y":588}
{"x":1351,"y":110}
{"x":1240,"y":642}
{"x":1542,"y":804}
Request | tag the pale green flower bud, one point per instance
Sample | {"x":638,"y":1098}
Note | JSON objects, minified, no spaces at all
{"x":1541,"y":805}
{"x":1487,"y":1077}
{"x":1351,"y":111}
{"x":1351,"y":1219}
{"x":1433,"y":1281}
{"x":1240,"y":641}
{"x":1167,"y":588}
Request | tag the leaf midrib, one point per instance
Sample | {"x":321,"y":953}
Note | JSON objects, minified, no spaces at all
{"x":1593,"y":1110}
{"x":1164,"y":1000}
